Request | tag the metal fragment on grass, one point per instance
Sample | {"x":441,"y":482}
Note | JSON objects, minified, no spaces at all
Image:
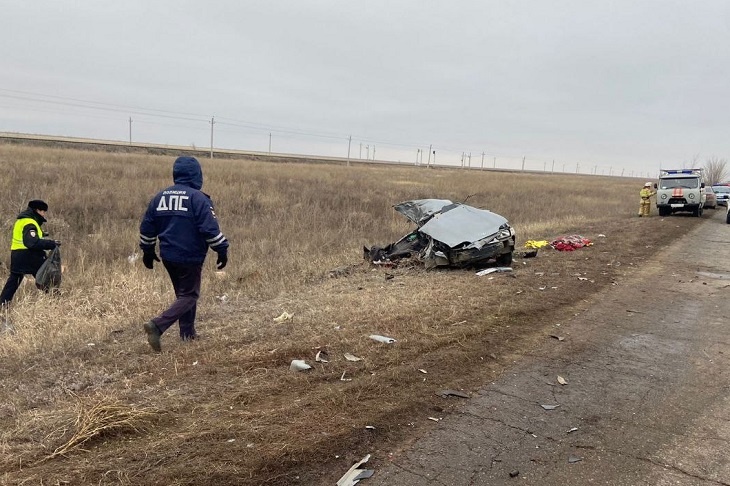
{"x":382,"y":339}
{"x":285,"y":316}
{"x":549,"y":407}
{"x":299,"y":365}
{"x":559,"y":338}
{"x":487,"y":271}
{"x":322,"y":357}
{"x":342,"y":378}
{"x":572,"y":429}
{"x":351,"y":477}
{"x":574,"y":459}
{"x":422,"y":371}
{"x":562,"y":380}
{"x":351,"y":357}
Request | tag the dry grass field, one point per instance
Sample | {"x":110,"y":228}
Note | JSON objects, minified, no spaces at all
{"x":83,"y":400}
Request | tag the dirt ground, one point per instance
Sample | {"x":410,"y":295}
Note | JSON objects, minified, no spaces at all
{"x":646,"y":394}
{"x":309,"y":428}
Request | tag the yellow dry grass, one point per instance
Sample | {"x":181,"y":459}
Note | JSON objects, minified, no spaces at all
{"x":230,"y":410}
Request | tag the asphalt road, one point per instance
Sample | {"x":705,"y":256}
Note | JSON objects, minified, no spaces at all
{"x":647,"y":399}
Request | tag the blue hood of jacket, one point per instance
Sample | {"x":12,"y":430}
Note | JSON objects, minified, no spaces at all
{"x":186,"y":171}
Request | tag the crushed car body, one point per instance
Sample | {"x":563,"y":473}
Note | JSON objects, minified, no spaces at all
{"x":449,"y":234}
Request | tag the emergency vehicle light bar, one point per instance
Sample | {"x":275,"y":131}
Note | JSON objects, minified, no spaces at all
{"x":681,"y":171}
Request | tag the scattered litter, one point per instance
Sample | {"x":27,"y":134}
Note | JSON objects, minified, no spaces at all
{"x":549,"y":407}
{"x":539,"y":274}
{"x":559,"y":338}
{"x":434,"y":419}
{"x":90,"y":344}
{"x":514,"y":474}
{"x":422,"y":371}
{"x":351,"y":357}
{"x":222,"y":298}
{"x":574,"y":459}
{"x":541,"y":288}
{"x":562,"y":380}
{"x":453,"y":393}
{"x":352,"y":476}
{"x":322,"y":357}
{"x":342,"y":378}
{"x":285,"y":316}
{"x":572,"y":429}
{"x":231,"y":440}
{"x":382,"y":339}
{"x":133,"y":258}
{"x":299,"y":365}
{"x":582,"y":278}
{"x":528,"y":253}
{"x":487,"y":271}
{"x":195,"y":363}
{"x":370,"y":427}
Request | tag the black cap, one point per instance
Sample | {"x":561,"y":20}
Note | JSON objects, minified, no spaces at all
{"x":38,"y":205}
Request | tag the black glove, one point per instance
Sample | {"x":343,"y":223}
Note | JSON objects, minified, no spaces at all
{"x":149,"y":258}
{"x":222,"y":261}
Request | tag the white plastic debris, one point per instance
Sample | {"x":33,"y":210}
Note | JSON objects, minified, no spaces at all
{"x":342,"y":378}
{"x":572,"y":429}
{"x":562,"y":380}
{"x":549,"y":407}
{"x":601,"y":235}
{"x":422,"y":370}
{"x":133,"y":258}
{"x":222,"y":298}
{"x":299,"y":365}
{"x":434,"y":419}
{"x":382,"y":339}
{"x":322,"y":357}
{"x":351,"y":357}
{"x":353,"y":475}
{"x":487,"y":271}
{"x":285,"y":316}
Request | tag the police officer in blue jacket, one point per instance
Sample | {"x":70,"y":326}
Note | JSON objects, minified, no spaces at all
{"x":182,"y":218}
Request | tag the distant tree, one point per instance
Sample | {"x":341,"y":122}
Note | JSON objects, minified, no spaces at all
{"x":715,"y":170}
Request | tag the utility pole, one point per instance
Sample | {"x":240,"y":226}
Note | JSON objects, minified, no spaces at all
{"x":349,"y":143}
{"x":553,"y":169}
{"x":576,"y":167}
{"x":269,"y":142}
{"x":130,"y":130}
{"x":482,"y":160}
{"x":212,"y":122}
{"x":622,"y":172}
{"x":373,"y":151}
{"x":428,"y":163}
{"x":523,"y":163}
{"x":367,"y":152}
{"x":360,"y":151}
{"x":470,"y":160}
{"x":544,"y":165}
{"x":418,"y":151}
{"x":494,"y":164}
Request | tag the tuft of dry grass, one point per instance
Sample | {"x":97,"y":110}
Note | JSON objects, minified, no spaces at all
{"x":101,"y":418}
{"x":234,"y":412}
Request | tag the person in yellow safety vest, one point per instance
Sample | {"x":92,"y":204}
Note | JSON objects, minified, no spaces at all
{"x":27,"y":250}
{"x":645,"y":205}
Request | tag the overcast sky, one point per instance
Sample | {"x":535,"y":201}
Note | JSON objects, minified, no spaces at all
{"x":608,"y":85}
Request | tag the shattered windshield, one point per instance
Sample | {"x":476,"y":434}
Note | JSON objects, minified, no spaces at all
{"x":683,"y":182}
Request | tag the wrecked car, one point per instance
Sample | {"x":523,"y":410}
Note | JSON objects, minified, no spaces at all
{"x":449,"y":234}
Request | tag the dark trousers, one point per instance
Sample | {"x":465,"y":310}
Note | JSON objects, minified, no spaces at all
{"x":11,"y":286}
{"x":186,"y":282}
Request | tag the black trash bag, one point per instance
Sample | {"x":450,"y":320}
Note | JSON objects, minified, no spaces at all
{"x":49,"y":275}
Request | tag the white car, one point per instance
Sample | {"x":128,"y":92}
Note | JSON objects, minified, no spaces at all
{"x":723,"y":194}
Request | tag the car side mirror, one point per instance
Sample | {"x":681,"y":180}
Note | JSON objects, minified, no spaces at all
{"x":702,"y":185}
{"x":655,"y":186}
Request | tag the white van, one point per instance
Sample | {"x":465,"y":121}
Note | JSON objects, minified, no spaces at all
{"x":680,"y":190}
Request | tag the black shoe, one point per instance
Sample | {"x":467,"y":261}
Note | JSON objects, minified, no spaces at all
{"x":189,"y":337}
{"x":153,"y":335}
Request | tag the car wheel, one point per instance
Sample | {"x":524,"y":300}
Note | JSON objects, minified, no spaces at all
{"x":504,"y":259}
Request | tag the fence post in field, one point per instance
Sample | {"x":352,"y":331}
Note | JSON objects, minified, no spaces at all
{"x":349,"y":143}
{"x":212,"y":122}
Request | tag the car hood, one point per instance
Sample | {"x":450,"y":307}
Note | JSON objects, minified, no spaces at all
{"x":451,"y":223}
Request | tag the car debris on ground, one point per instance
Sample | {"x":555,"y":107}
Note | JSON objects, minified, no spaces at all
{"x":355,"y":474}
{"x":448,"y":234}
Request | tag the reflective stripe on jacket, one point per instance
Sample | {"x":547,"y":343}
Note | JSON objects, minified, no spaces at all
{"x":20,"y":224}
